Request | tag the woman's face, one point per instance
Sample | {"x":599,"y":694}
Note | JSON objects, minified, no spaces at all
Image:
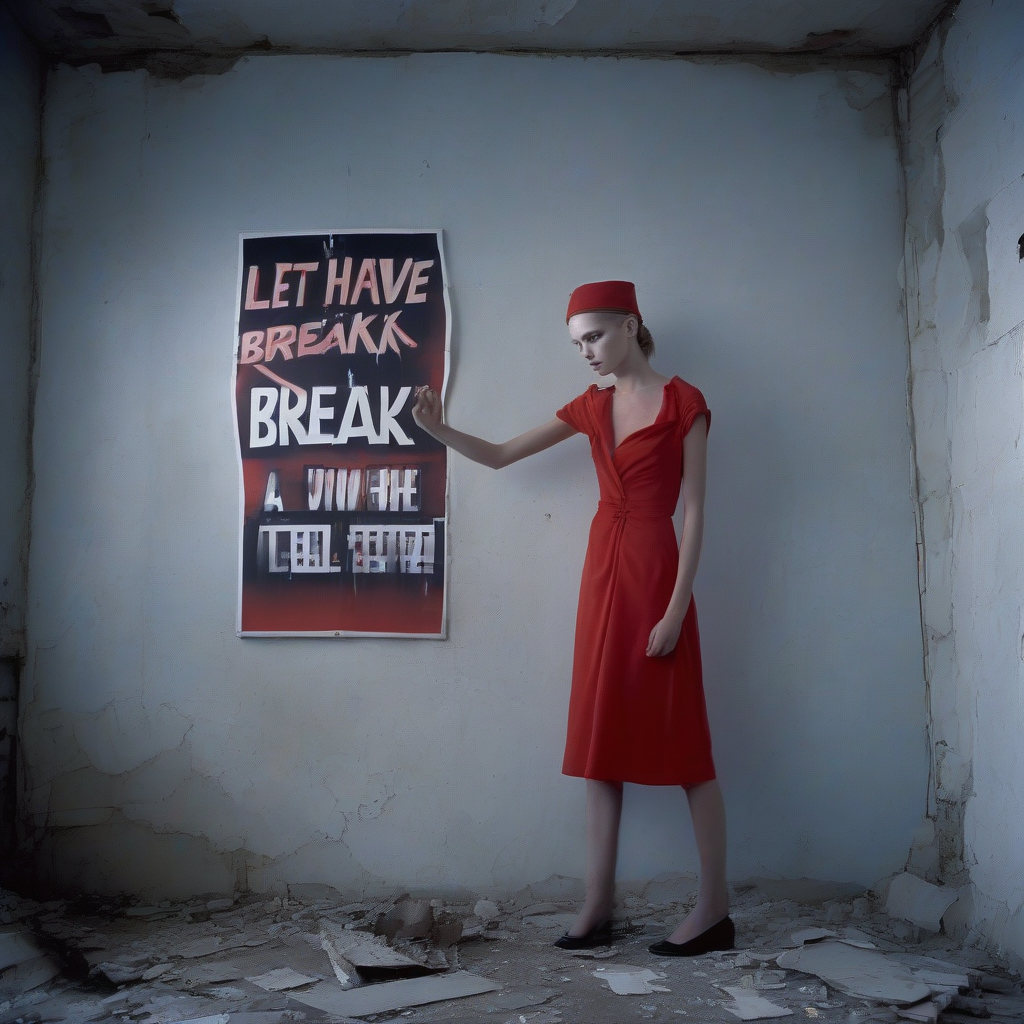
{"x":603,"y":338}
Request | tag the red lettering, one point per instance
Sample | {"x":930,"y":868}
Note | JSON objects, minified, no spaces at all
{"x":280,"y":339}
{"x":418,"y":280}
{"x":280,"y":284}
{"x":366,"y":279}
{"x":309,"y":345}
{"x":251,"y":350}
{"x":252,"y":286}
{"x":303,"y":269}
{"x":334,"y":282}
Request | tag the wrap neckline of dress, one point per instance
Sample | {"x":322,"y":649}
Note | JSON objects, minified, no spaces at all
{"x":608,"y":426}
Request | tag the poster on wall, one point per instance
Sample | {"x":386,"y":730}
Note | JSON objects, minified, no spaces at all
{"x":343,"y":499}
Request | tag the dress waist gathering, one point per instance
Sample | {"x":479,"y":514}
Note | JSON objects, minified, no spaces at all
{"x":623,"y":510}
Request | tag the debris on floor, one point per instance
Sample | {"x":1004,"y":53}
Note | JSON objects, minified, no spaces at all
{"x":814,"y":950}
{"x":393,"y":995}
{"x":748,"y":1005}
{"x":863,"y":973}
{"x":918,"y":901}
{"x":629,"y":980}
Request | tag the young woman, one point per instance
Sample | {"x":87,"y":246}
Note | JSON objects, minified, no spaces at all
{"x":636,"y":709}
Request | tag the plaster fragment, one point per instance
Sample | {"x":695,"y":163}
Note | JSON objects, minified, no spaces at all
{"x":857,"y":972}
{"x":281,"y":979}
{"x":628,"y":980}
{"x":918,"y":901}
{"x":748,"y":1005}
{"x":393,"y":995}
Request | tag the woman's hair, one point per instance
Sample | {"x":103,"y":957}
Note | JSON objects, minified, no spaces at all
{"x":645,"y":340}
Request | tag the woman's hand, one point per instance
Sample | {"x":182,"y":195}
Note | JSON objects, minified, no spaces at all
{"x":664,"y":637}
{"x":427,"y":411}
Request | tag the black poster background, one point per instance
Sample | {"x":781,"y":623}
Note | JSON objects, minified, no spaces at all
{"x":344,"y":600}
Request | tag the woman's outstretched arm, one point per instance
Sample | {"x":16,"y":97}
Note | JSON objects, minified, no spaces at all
{"x":665,"y":634}
{"x":428,"y":415}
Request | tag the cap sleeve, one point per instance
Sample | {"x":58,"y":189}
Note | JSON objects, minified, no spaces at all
{"x":577,"y":413}
{"x":693,"y":406}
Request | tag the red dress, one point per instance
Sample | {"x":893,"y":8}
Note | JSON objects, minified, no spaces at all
{"x":633,"y":718}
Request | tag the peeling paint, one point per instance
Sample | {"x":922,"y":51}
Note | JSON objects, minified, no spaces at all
{"x":965,"y":312}
{"x":972,"y":233}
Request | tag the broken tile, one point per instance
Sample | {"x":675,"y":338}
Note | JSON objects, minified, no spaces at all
{"x":855,"y":937}
{"x":858,"y":972}
{"x":195,"y":975}
{"x":330,"y":997}
{"x":764,"y":980}
{"x":17,"y":946}
{"x":28,"y":975}
{"x":408,"y":919}
{"x":748,"y":1005}
{"x":942,"y":981}
{"x":486,"y":910}
{"x":926,"y":1012}
{"x":344,"y":970}
{"x":121,"y":973}
{"x":629,"y":980}
{"x":915,"y":900}
{"x":806,"y":935}
{"x":370,"y":955}
{"x":970,"y":1006}
{"x":447,"y":929}
{"x":280,"y":979}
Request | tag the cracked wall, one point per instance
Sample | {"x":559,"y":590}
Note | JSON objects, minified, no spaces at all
{"x":79,"y":30}
{"x":965,"y":284}
{"x":165,"y":754}
{"x":19,"y":138}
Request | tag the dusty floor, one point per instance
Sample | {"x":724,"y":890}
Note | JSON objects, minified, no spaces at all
{"x":98,"y":959}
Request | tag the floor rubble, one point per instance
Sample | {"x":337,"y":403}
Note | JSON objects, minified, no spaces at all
{"x":317,"y":955}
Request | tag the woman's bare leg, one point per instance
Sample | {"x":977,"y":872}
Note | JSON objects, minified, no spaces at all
{"x":604,"y":808}
{"x":707,"y":809}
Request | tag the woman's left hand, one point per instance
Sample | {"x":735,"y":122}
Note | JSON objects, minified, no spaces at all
{"x":664,"y":637}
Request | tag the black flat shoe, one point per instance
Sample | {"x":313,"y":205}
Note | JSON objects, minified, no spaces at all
{"x":599,"y":935}
{"x":718,"y":936}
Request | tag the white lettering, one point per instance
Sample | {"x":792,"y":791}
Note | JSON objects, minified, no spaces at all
{"x":388,"y":424}
{"x":318,"y":414}
{"x":358,"y":401}
{"x":289,"y":417}
{"x":262,"y":402}
{"x":272,"y":497}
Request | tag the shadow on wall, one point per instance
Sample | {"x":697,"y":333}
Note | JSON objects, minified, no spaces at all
{"x":9,"y":672}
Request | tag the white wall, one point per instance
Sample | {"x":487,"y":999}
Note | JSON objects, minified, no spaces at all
{"x":966,"y":302}
{"x":759,"y":214}
{"x":19,"y":146}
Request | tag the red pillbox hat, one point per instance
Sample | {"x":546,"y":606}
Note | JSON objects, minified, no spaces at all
{"x":619,"y":296}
